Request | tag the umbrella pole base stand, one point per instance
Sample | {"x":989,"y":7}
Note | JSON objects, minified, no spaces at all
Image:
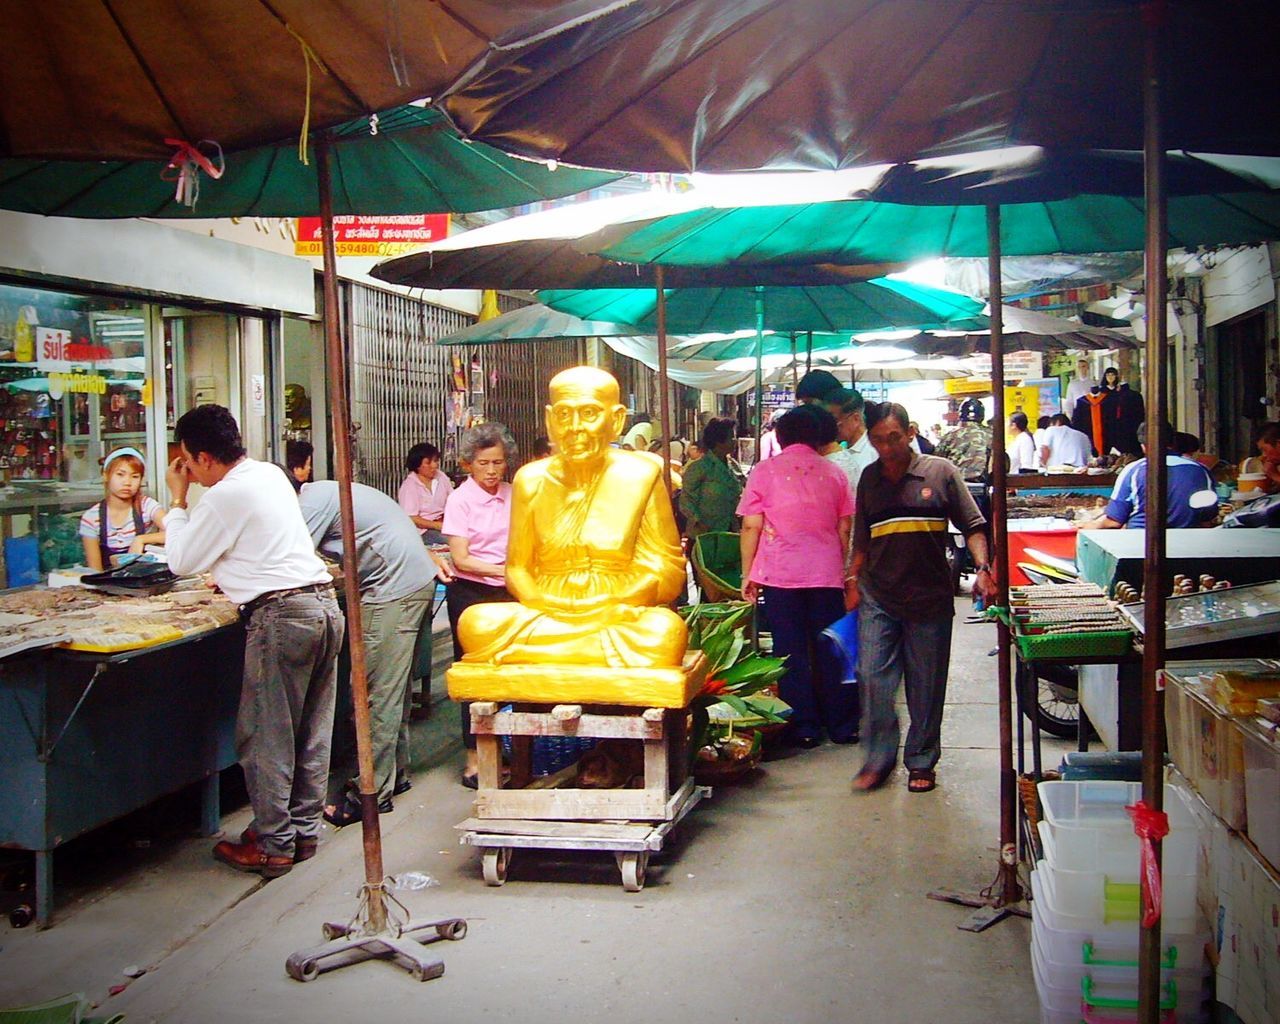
{"x":403,"y":945}
{"x":987,"y":910}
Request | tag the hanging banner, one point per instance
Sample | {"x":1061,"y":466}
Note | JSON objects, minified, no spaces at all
{"x":1050,"y":389}
{"x":373,"y":236}
{"x":1024,"y":400}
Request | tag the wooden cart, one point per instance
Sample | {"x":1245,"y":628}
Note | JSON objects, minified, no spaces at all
{"x":629,"y":822}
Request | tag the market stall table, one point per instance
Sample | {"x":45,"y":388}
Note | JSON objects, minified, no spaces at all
{"x":89,"y":736}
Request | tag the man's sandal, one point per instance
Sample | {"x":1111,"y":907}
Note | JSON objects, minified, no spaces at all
{"x":921,"y":780}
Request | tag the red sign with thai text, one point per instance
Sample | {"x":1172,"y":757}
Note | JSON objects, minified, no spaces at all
{"x":373,"y":236}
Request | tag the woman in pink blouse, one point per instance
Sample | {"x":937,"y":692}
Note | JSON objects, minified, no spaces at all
{"x":477,"y":521}
{"x":424,"y":491}
{"x":797,"y":513}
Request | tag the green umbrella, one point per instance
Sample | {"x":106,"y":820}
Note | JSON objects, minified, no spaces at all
{"x":871,"y":231}
{"x":406,"y":160}
{"x":879,"y":304}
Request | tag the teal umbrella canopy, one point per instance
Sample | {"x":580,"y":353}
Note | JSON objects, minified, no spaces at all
{"x":880,"y":304}
{"x":869,"y":231}
{"x":406,"y":161}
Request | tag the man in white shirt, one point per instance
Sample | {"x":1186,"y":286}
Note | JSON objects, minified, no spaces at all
{"x":1079,"y":387}
{"x":822,"y":388}
{"x":1037,"y":437}
{"x":1022,"y":449}
{"x":1064,"y":445}
{"x":249,"y":533}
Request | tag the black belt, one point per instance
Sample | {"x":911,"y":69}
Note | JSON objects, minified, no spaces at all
{"x":250,"y":607}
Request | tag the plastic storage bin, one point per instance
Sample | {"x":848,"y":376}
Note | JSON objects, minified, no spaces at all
{"x":1115,"y":942}
{"x":1207,"y":748}
{"x":1102,"y":992}
{"x":1085,"y":898}
{"x":1116,"y":851}
{"x":1262,"y":789}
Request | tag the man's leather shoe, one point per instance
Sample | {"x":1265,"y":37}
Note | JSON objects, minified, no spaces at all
{"x":304,"y":848}
{"x":252,"y":858}
{"x":402,"y":786}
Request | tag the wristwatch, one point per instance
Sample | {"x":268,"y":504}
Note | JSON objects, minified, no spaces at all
{"x":178,"y":503}
{"x":984,"y":568}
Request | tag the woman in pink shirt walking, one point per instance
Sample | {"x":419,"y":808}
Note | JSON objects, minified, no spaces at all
{"x":477,"y":521}
{"x":797,"y":513}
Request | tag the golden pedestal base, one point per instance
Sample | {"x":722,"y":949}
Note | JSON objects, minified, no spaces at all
{"x":580,"y":684}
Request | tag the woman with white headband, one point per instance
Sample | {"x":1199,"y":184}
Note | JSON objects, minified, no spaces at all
{"x":125,"y":521}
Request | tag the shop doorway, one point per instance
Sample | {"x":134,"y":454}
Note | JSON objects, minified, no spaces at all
{"x":1242,"y":382}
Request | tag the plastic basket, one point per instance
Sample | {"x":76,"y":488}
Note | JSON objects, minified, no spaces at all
{"x":1035,"y":645}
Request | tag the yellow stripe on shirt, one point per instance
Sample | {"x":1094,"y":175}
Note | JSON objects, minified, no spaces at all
{"x":892,"y":526}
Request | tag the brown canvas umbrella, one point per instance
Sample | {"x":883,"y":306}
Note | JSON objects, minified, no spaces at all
{"x":682,"y":85}
{"x":113,"y":79}
{"x":538,"y":263}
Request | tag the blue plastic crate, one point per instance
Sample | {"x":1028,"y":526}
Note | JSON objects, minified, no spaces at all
{"x":552,"y":753}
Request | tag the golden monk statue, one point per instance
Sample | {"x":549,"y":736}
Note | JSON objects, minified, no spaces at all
{"x":593,"y":556}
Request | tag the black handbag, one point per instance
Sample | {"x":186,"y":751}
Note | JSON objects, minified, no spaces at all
{"x":137,"y":577}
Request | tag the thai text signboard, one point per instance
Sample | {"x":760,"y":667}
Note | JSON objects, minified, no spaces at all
{"x":373,"y":236}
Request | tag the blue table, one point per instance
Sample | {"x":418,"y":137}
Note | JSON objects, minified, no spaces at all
{"x":88,"y":738}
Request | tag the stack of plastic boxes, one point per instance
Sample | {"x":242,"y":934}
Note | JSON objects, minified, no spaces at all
{"x":1086,"y":906}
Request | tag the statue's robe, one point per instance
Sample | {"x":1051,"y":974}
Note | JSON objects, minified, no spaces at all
{"x":582,"y":543}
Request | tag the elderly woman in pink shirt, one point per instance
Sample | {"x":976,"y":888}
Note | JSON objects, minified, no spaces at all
{"x":797,"y":513}
{"x":477,"y":521}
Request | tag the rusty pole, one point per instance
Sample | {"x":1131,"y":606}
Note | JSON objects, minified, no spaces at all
{"x":1153,"y":594}
{"x":1008,"y":889}
{"x":340,"y":411}
{"x":664,"y":384}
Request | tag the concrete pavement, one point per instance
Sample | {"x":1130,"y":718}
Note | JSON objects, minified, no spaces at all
{"x":784,"y":898}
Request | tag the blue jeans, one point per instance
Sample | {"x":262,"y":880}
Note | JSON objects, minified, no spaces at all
{"x":812,"y":685}
{"x":917,"y":653}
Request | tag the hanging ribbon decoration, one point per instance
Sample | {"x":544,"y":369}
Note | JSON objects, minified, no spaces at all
{"x":1149,"y":825}
{"x":185,"y":165}
{"x":309,"y":57}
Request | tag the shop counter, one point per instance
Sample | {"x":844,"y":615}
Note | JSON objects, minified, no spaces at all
{"x":1113,"y":698}
{"x":87,"y":738}
{"x":1107,"y":557}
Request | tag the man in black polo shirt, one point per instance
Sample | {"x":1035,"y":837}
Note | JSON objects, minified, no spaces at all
{"x":899,"y":582}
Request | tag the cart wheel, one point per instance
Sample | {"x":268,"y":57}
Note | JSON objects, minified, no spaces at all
{"x":301,"y":968}
{"x":453,"y":930}
{"x":633,"y":867}
{"x":494,"y":862}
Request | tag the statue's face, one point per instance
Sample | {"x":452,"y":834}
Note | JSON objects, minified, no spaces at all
{"x":582,"y":422}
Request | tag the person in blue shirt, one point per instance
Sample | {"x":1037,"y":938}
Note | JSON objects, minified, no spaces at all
{"x":1191,"y":498}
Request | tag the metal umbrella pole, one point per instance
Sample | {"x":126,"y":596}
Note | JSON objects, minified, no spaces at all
{"x":1006,"y":890}
{"x":664,"y":397}
{"x":998,"y":900}
{"x":372,"y":931}
{"x":760,"y":366}
{"x":1153,"y":594}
